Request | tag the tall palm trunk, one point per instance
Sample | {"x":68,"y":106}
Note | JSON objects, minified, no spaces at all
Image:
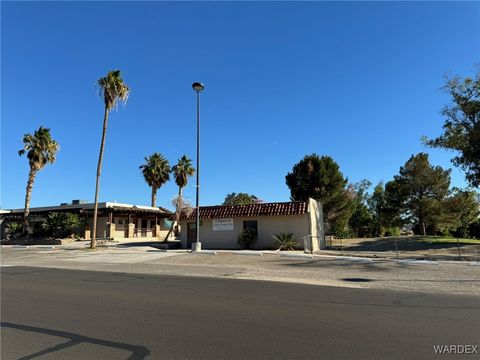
{"x":93,"y":243}
{"x":178,"y":208}
{"x":28,"y":196}
{"x":154,"y":197}
{"x":177,"y":213}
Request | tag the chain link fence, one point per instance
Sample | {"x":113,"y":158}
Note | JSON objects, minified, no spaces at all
{"x":406,"y":247}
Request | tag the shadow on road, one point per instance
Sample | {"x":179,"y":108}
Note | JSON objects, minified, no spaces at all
{"x":137,"y":352}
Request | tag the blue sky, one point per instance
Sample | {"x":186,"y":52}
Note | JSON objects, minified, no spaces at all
{"x":357,"y":81}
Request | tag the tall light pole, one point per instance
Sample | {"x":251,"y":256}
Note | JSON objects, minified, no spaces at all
{"x":198,"y":87}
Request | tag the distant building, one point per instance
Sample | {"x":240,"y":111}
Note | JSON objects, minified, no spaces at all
{"x":220,"y":226}
{"x":115,"y":221}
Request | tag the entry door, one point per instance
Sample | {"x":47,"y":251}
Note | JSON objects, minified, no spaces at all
{"x":191,"y":234}
{"x":144,"y":227}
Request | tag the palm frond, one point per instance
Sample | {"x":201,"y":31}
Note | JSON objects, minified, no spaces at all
{"x":39,"y":148}
{"x":113,"y":89}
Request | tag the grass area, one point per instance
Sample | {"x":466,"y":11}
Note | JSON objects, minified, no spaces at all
{"x":447,"y":240}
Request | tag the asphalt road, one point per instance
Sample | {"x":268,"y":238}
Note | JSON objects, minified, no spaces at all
{"x":71,"y":314}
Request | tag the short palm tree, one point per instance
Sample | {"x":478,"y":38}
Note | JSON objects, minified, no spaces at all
{"x":156,"y":172}
{"x":182,"y":171}
{"x":41,"y":150}
{"x":113,"y":90}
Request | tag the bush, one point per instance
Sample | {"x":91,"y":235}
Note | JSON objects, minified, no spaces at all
{"x":474,"y":230}
{"x":63,"y":225}
{"x":247,"y":238}
{"x":285,"y":241}
{"x":340,"y":231}
{"x":392,"y":231}
{"x":13,"y":229}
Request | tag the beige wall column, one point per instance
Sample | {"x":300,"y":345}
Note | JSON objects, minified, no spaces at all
{"x":130,"y":230}
{"x":110,"y":230}
{"x":157,"y":231}
{"x":315,"y":216}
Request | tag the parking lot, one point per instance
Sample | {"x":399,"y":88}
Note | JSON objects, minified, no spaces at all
{"x":419,"y":276}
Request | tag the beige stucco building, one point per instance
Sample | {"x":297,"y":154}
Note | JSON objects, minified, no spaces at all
{"x":220,"y":226}
{"x":116,"y":221}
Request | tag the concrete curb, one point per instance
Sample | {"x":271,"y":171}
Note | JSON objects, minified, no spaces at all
{"x":417,"y":262}
{"x":354,"y":259}
{"x":474,"y":263}
{"x":298,"y":256}
{"x":204,"y":252}
{"x":247,"y":253}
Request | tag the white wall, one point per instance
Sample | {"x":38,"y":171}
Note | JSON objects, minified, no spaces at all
{"x":267,"y":227}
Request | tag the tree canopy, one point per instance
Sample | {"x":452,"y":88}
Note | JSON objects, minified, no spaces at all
{"x":319,"y":177}
{"x":461,"y":130}
{"x":156,"y":172}
{"x":240,"y":199}
{"x":418,"y":191}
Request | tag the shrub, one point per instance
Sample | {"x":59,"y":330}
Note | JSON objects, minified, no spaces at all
{"x":62,"y":225}
{"x":392,"y":231}
{"x":285,"y":241}
{"x":340,"y":231}
{"x":474,"y":230}
{"x":247,"y":238}
{"x":13,"y":229}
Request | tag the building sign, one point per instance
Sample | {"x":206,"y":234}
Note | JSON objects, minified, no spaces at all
{"x":222,"y":224}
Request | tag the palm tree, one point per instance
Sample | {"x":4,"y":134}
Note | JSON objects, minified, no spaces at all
{"x":112,"y":90}
{"x":41,"y":149}
{"x":181,"y":171}
{"x":156,"y":172}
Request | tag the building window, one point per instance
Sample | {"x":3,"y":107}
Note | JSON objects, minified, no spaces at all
{"x":120,"y":221}
{"x":251,"y":225}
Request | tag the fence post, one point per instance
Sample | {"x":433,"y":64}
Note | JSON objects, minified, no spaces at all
{"x":459,"y":251}
{"x":396,"y":247}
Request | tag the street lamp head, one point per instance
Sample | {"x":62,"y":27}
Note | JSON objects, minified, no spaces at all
{"x":198,"y":86}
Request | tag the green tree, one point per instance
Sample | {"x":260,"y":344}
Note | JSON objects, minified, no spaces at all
{"x":181,"y":171}
{"x":418,"y":191}
{"x":384,"y":211}
{"x":460,"y":210}
{"x":361,"y":220}
{"x":112,"y":90}
{"x":320,"y":178}
{"x":156,"y":172}
{"x":461,"y":129}
{"x":41,"y":150}
{"x":240,"y":199}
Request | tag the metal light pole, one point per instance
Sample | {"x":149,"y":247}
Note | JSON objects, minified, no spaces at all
{"x":198,"y":87}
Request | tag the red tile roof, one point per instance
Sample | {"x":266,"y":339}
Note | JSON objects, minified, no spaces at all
{"x":262,"y":209}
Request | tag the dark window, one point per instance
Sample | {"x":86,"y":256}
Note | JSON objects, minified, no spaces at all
{"x":144,"y":223}
{"x":251,"y":225}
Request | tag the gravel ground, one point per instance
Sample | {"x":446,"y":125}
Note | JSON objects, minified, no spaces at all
{"x":430,"y":277}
